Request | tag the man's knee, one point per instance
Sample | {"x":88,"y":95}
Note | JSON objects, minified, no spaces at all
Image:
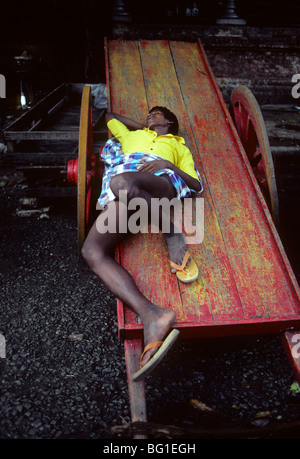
{"x":91,"y":252}
{"x":127,"y":183}
{"x":86,"y":251}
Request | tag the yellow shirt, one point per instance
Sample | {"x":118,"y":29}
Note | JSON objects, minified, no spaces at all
{"x":169,"y":146}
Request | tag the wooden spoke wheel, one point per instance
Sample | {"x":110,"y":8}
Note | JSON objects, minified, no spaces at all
{"x":85,"y":158}
{"x":253,"y":134}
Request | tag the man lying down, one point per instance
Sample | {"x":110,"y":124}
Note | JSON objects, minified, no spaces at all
{"x":143,"y":161}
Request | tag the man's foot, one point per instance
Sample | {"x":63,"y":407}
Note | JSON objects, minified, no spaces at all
{"x":156,"y":328}
{"x":157,"y":357}
{"x":177,"y":248}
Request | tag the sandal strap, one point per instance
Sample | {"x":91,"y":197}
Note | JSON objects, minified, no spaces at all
{"x":181,"y":268}
{"x":151,"y":346}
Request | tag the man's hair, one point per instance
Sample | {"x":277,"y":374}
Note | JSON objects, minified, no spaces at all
{"x":173,"y":128}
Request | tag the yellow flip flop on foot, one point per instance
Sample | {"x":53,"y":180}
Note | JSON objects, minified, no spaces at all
{"x":186,"y":273}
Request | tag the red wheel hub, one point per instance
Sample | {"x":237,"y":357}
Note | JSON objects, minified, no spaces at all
{"x":93,"y":178}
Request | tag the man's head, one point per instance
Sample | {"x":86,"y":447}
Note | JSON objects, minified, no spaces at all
{"x":169,"y":116}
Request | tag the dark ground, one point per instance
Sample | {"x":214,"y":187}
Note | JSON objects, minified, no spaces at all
{"x":57,"y":385}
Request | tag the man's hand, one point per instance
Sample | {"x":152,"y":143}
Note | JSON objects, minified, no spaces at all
{"x":131,"y":124}
{"x":153,"y":166}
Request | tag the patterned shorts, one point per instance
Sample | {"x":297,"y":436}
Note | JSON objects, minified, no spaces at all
{"x":115,"y":162}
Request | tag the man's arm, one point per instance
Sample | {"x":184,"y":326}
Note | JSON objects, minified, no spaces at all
{"x":156,"y":165}
{"x":131,"y":124}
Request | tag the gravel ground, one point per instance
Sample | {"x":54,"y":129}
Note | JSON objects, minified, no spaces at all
{"x":64,"y":373}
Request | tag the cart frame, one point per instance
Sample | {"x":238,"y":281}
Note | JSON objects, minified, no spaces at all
{"x":246,"y":283}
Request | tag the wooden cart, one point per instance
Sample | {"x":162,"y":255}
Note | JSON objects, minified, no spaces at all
{"x":246,"y":284}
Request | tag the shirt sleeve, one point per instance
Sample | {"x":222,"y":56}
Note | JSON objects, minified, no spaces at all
{"x":118,"y":129}
{"x":186,"y":161}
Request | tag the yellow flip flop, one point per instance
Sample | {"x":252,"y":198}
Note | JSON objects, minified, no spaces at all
{"x":164,"y":346}
{"x":186,"y":273}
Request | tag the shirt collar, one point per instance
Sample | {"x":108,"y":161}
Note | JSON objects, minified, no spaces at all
{"x":179,"y":139}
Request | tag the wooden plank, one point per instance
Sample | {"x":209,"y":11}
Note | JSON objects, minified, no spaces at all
{"x":284,"y":150}
{"x":133,"y":350}
{"x":37,"y":158}
{"x":283,"y":132}
{"x":222,"y":328}
{"x":52,"y":191}
{"x":126,"y":87}
{"x":259,"y":271}
{"x":42,"y":135}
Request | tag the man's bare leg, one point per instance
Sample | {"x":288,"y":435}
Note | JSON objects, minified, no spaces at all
{"x":98,"y":251}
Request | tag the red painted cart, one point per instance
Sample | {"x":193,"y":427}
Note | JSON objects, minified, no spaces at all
{"x":246,"y":284}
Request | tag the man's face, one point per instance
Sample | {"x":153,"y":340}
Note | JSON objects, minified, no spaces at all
{"x":156,"y":118}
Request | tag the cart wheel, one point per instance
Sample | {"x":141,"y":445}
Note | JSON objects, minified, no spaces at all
{"x":253,"y":134}
{"x":84,"y":163}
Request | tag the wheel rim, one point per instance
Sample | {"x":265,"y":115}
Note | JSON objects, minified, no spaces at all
{"x":85,"y":151}
{"x":253,"y":134}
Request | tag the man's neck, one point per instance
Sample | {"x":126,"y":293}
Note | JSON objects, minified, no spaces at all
{"x":161,"y":130}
